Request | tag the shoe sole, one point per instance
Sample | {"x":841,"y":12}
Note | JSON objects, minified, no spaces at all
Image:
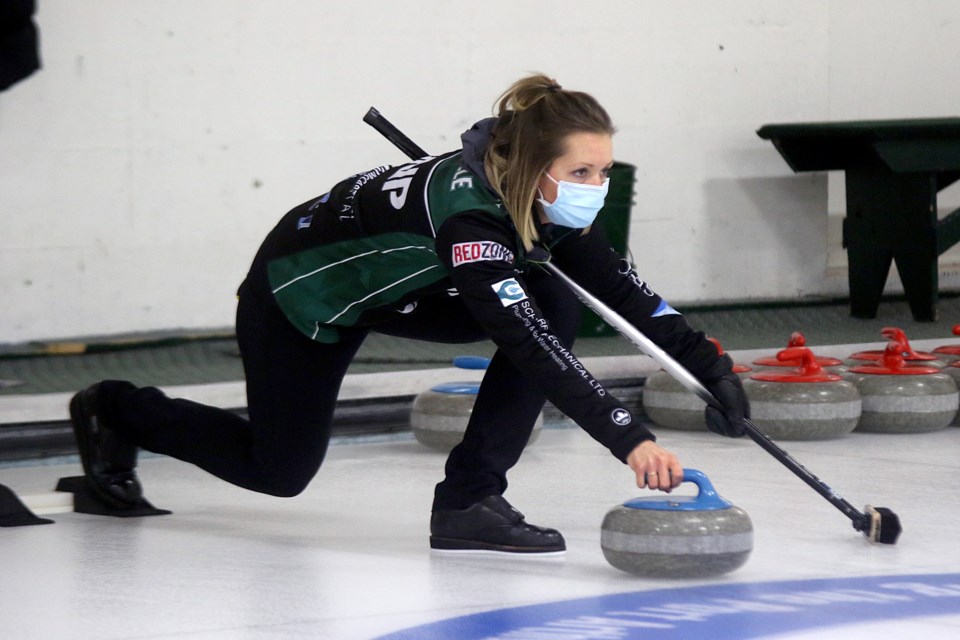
{"x":532,"y":556}
{"x":455,"y":545}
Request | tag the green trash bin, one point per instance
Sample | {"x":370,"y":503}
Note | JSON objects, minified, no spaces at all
{"x":615,"y":220}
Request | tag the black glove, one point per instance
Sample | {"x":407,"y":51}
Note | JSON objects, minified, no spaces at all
{"x":729,"y":391}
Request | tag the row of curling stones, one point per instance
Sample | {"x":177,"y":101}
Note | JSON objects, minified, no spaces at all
{"x":792,"y":396}
{"x":439,"y":416}
{"x":678,"y":536}
{"x":896,"y":394}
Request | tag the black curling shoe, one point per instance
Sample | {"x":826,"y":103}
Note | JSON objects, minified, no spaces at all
{"x":491,"y":525}
{"x":108,"y":459}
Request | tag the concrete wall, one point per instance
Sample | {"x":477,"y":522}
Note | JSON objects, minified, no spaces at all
{"x":141,"y":167}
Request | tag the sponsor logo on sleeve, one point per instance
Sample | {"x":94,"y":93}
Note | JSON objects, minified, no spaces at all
{"x":509,"y":291}
{"x":466,"y":252}
{"x":621,"y":417}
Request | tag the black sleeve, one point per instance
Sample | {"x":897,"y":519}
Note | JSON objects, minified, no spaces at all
{"x":613,"y":280}
{"x":496,"y":294}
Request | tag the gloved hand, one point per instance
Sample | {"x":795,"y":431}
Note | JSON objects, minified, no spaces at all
{"x":729,"y":391}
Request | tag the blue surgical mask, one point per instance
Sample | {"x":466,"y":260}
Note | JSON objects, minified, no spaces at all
{"x":577,"y":205}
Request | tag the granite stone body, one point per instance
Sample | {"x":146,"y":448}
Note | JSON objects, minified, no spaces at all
{"x":804,"y":410}
{"x":905,"y":403}
{"x":669,"y":404}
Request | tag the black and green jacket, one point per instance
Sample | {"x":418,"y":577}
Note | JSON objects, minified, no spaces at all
{"x":380,"y":240}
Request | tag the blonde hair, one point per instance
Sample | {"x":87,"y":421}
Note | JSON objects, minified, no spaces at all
{"x":535,"y":116}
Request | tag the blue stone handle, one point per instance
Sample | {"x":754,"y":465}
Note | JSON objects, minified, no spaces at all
{"x":707,"y":498}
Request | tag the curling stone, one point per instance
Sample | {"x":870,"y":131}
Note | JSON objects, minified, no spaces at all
{"x":439,"y":416}
{"x":899,"y":397}
{"x":669,"y":404}
{"x":678,"y":536}
{"x":949,"y":353}
{"x":910,"y":356}
{"x":797,"y":339}
{"x":802,"y":403}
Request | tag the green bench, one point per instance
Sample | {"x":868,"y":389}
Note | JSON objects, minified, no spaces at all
{"x":894,"y":169}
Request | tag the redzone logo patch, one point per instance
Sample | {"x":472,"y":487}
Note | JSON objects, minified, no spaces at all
{"x":466,"y":252}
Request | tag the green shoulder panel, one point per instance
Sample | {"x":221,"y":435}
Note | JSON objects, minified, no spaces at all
{"x":453,"y":189}
{"x":333,"y":284}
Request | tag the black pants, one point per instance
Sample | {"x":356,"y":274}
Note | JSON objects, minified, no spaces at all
{"x":292,"y":387}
